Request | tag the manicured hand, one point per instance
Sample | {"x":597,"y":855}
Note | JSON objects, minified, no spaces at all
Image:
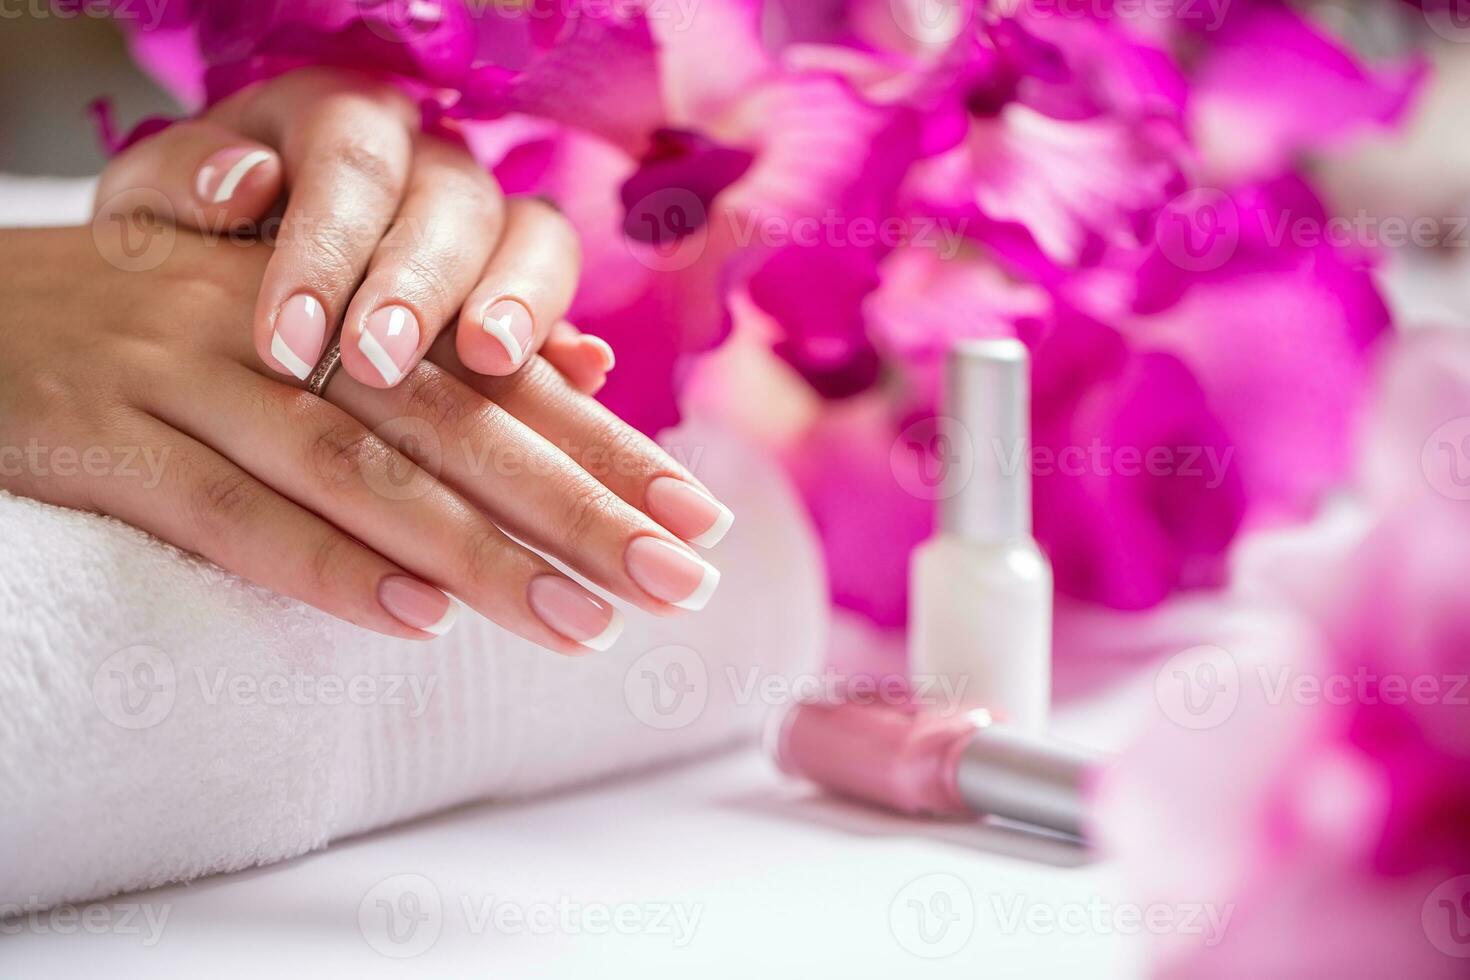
{"x":372,"y":505}
{"x":390,"y":233}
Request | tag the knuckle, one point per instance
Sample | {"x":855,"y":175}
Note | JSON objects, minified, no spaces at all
{"x":421,"y":277}
{"x":341,"y":453}
{"x":588,"y":511}
{"x":484,"y":558}
{"x":330,"y":558}
{"x":471,"y":192}
{"x":362,"y":161}
{"x":552,"y":223}
{"x":334,"y":245}
{"x":617,"y":450}
{"x":222,"y":501}
{"x":439,"y":399}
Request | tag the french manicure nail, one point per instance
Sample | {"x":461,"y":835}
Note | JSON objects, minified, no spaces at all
{"x":222,"y":173}
{"x":574,"y":612}
{"x":510,"y":323}
{"x":688,"y":511}
{"x":671,"y":573}
{"x":389,"y":340}
{"x":604,"y":349}
{"x":415,"y":604}
{"x":300,"y":331}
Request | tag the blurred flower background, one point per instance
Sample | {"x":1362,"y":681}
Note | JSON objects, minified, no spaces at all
{"x":1217,"y":225}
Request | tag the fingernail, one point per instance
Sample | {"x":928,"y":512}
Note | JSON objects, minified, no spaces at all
{"x":418,"y":605}
{"x":510,"y":323}
{"x":668,"y":572}
{"x":604,"y":349}
{"x":389,"y":341}
{"x":688,"y":511}
{"x":300,"y":331}
{"x":221,"y":174}
{"x":574,"y":612}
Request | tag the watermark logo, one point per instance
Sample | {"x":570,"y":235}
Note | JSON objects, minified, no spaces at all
{"x":134,"y":230}
{"x":1446,"y":917}
{"x":402,"y":21}
{"x":136,"y":687}
{"x":935,"y":22}
{"x":1450,"y":19}
{"x":933,"y":916}
{"x":1446,"y":459}
{"x":414,"y":470}
{"x":1199,"y":230}
{"x":401,"y":916}
{"x":667,"y":230}
{"x":933,"y":458}
{"x":667,"y":688}
{"x":1198,"y":688}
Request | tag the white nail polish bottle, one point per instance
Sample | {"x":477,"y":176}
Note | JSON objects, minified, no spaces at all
{"x":980,"y":590}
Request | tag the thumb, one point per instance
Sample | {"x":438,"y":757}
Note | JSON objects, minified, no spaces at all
{"x":205,"y":177}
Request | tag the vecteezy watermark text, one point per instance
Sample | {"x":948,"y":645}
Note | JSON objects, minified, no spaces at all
{"x":145,"y":920}
{"x":404,"y":915}
{"x":42,"y":461}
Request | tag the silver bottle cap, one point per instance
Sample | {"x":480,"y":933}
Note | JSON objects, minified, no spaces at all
{"x":988,"y":395}
{"x":1027,"y":777}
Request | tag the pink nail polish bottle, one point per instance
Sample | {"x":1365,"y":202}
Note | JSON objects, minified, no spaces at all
{"x":924,"y":763}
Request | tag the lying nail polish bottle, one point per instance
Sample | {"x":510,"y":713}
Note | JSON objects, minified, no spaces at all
{"x":923,"y":763}
{"x":980,"y":590}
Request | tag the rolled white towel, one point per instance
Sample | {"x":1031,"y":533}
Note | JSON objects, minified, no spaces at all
{"x":166,"y":720}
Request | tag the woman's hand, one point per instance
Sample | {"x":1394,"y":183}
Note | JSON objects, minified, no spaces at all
{"x":387,"y":232}
{"x":372,"y":508}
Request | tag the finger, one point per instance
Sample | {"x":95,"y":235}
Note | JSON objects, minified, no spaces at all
{"x":206,"y":504}
{"x":347,"y":161}
{"x":532,"y":489}
{"x":623,"y":459}
{"x":315,"y":454}
{"x":425,"y":266}
{"x":212,"y":178}
{"x":582,"y":358}
{"x":526,"y":288}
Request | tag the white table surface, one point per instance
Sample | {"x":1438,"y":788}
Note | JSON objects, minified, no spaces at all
{"x":771,"y":878}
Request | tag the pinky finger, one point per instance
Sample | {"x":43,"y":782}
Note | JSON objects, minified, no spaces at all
{"x":204,"y":503}
{"x":582,"y":358}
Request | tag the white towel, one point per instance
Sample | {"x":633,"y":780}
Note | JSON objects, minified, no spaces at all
{"x":165,"y":720}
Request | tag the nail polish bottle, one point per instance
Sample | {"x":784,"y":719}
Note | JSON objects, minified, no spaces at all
{"x":980,"y":590}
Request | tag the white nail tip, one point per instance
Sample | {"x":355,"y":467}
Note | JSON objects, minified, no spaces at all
{"x":282,"y":352}
{"x":603,"y":641}
{"x":446,"y":622}
{"x":243,"y":166}
{"x":700,"y":597}
{"x":717,"y":531}
{"x":499,"y":328}
{"x":605,"y":347}
{"x":378,"y":357}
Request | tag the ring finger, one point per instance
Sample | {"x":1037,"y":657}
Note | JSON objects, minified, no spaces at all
{"x":425,"y":265}
{"x":526,"y":289}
